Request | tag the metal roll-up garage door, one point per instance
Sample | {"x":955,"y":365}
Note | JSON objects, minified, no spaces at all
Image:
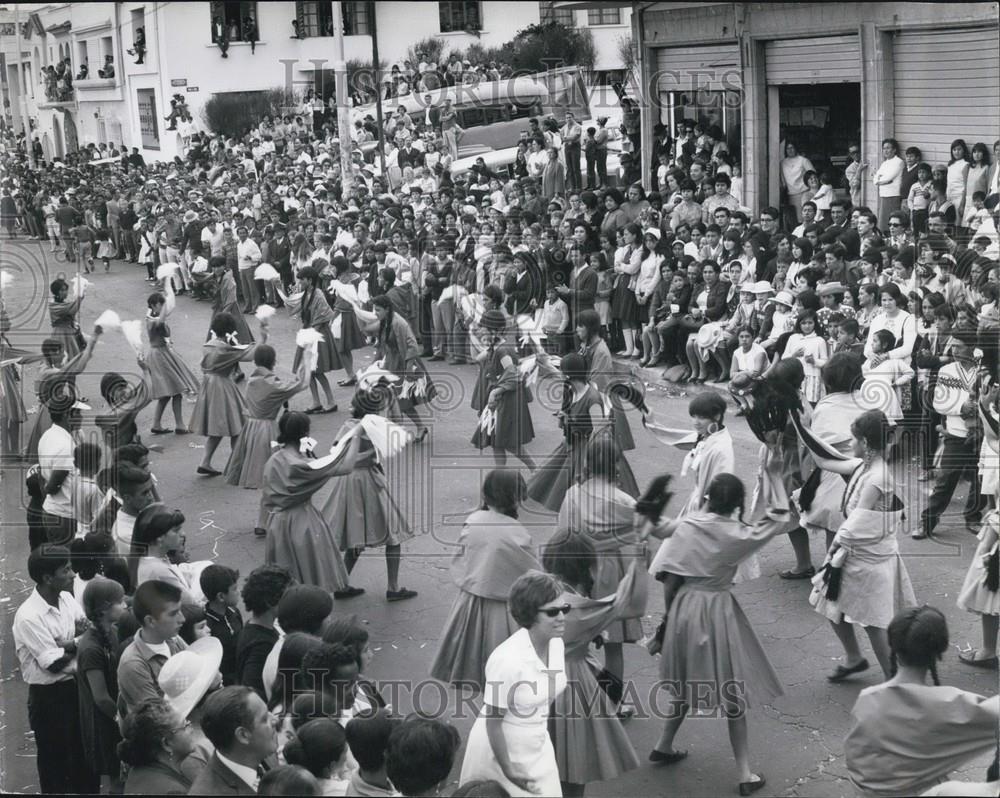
{"x":827,"y":59}
{"x":713,"y":67}
{"x":946,"y":89}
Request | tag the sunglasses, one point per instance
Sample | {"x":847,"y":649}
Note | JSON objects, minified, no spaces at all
{"x":552,"y":612}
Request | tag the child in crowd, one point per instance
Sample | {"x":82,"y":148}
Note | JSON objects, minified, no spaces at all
{"x":885,"y":380}
{"x":105,"y":249}
{"x":605,"y":288}
{"x":87,"y":496}
{"x":847,"y":338}
{"x":555,"y":322}
{"x":84,"y":237}
{"x":220,"y":585}
{"x":320,"y":746}
{"x":810,"y":348}
{"x":824,"y":195}
{"x":368,"y":737}
{"x":195,"y":624}
{"x":981,"y":214}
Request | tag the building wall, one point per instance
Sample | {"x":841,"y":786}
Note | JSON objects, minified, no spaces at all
{"x":749,"y":26}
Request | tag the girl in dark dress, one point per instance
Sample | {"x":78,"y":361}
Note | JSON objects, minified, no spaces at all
{"x":501,"y":387}
{"x":315,"y":312}
{"x":97,"y":678}
{"x":399,"y":353}
{"x":169,"y":374}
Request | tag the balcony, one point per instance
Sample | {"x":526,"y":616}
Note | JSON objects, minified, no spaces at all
{"x":98,"y":89}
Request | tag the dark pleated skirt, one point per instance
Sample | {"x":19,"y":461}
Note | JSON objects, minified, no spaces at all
{"x":624,"y":307}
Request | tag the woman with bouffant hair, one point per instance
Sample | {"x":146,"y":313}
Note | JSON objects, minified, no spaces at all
{"x":907,"y":736}
{"x":155,"y":740}
{"x":509,"y":741}
{"x":158,"y":531}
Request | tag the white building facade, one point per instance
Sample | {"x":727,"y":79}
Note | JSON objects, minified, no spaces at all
{"x":181,"y":58}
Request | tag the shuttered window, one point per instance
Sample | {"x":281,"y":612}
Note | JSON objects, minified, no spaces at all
{"x":826,"y":59}
{"x":946,"y":88}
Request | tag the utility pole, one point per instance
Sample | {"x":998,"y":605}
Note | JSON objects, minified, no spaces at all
{"x":21,"y":85}
{"x":378,"y":88}
{"x":343,"y":102}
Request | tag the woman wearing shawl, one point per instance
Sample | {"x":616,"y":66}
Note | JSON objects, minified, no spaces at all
{"x":227,"y":300}
{"x":907,"y":736}
{"x":62,"y":314}
{"x":169,"y":374}
{"x":315,"y":313}
{"x":603,"y":514}
{"x":266,"y":394}
{"x":820,"y":496}
{"x":361,"y":510}
{"x":220,"y":411}
{"x":589,"y":740}
{"x":601,"y":371}
{"x":708,"y":640}
{"x":298,"y":537}
{"x":501,"y":388}
{"x":347,"y":335}
{"x":11,"y":403}
{"x":493,"y":551}
{"x":713,"y":452}
{"x":399,"y":353}
{"x":582,"y":417}
{"x":863,"y":580}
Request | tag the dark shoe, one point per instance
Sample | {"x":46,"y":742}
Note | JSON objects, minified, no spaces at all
{"x":182,"y":431}
{"x":436,"y":357}
{"x":842,"y":672}
{"x":314,"y":410}
{"x":348,"y":592}
{"x":987,"y":663}
{"x":750,"y":787}
{"x":400,"y":595}
{"x":660,"y":758}
{"x":325,"y":410}
{"x":260,"y":532}
{"x":208,"y":472}
{"x":348,"y":383}
{"x":160,"y":430}
{"x":808,"y":573}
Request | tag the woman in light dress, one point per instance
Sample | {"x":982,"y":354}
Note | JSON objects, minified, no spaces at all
{"x":863,"y":581}
{"x":707,"y":639}
{"x":492,"y":552}
{"x":509,"y":742}
{"x":169,"y":375}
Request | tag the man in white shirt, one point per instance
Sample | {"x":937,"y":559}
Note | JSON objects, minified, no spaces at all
{"x":248,"y":257}
{"x":888,"y":179}
{"x":212,"y":236}
{"x":135,"y":492}
{"x":571,"y":133}
{"x":46,"y":629}
{"x":55,"y":463}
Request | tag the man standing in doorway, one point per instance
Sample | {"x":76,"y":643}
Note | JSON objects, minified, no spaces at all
{"x":571,"y":134}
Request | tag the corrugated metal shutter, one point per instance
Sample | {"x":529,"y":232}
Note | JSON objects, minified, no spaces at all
{"x":946,"y":87}
{"x":827,"y":59}
{"x":713,"y":67}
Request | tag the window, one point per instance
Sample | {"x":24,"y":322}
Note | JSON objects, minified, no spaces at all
{"x":459,"y":15}
{"x":315,"y":18}
{"x":234,"y":15}
{"x":148,"y":120}
{"x":81,"y":56}
{"x":604,"y":16}
{"x":547,"y":12}
{"x":356,"y":21}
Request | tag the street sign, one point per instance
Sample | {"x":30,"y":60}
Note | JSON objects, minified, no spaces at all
{"x":192,"y":88}
{"x":178,"y":82}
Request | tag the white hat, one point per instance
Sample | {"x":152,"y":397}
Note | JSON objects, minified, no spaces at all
{"x":186,"y":677}
{"x":760,"y":287}
{"x":652,"y":231}
{"x":783,"y":298}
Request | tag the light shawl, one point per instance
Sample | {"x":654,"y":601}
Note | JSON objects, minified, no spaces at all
{"x":601,"y":512}
{"x":494,"y":551}
{"x":906,"y":738}
{"x":711,"y":456}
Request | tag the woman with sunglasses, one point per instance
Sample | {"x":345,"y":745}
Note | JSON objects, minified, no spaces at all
{"x":707,"y":639}
{"x":509,"y":742}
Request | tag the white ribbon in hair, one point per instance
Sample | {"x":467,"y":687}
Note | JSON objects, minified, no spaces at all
{"x":306,"y":445}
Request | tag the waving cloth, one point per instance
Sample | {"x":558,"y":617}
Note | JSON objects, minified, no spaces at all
{"x":494,"y":551}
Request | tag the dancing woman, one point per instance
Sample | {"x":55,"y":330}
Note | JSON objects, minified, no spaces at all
{"x":227,"y":299}
{"x":707,"y":640}
{"x":347,"y":335}
{"x":601,"y":371}
{"x":298,"y":537}
{"x":11,"y":404}
{"x":863,"y":580}
{"x":360,"y":509}
{"x":589,"y":740}
{"x":315,"y":312}
{"x":492,"y":551}
{"x":501,"y":387}
{"x":220,"y":410}
{"x":63,"y":315}
{"x":169,"y":374}
{"x":399,"y":353}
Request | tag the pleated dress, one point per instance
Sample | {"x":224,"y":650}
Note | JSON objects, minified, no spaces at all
{"x":64,"y":324}
{"x":168,"y":373}
{"x":513,"y":418}
{"x":398,"y":349}
{"x":589,"y":740}
{"x":974,"y":595}
{"x":602,"y":372}
{"x":298,"y":537}
{"x":227,"y":301}
{"x":347,"y":333}
{"x":220,"y":410}
{"x":315,"y":312}
{"x":360,"y":510}
{"x":493,"y":550}
{"x":266,"y":395}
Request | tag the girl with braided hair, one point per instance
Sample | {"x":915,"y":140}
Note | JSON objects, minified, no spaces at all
{"x":907,"y":736}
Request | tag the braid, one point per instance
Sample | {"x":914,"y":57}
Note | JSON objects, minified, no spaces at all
{"x":893,"y":665}
{"x":934,"y":674}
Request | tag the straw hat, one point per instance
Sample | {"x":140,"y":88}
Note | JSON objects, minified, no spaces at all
{"x":783,"y":298}
{"x":187,"y":676}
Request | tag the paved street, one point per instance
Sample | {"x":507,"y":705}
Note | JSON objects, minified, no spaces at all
{"x":797,"y":743}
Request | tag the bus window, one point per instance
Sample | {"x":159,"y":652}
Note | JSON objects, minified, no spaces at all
{"x":494,"y":113}
{"x":470,"y":117}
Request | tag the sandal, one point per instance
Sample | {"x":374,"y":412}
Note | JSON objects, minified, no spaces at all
{"x":348,"y":592}
{"x":347,"y":383}
{"x":842,"y":671}
{"x":660,"y":758}
{"x":400,"y":595}
{"x":755,"y":783}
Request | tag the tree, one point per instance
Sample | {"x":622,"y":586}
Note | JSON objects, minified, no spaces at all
{"x":627,"y":54}
{"x":234,"y":113}
{"x":541,"y":47}
{"x":430,"y":50}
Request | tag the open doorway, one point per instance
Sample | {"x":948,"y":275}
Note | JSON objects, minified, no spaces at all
{"x":822,"y":120}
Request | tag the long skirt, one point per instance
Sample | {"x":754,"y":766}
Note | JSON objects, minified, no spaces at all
{"x":220,"y":410}
{"x":475,"y":626}
{"x":169,"y":374}
{"x":974,"y":596}
{"x":300,"y":540}
{"x":611,"y":567}
{"x":350,"y":337}
{"x":513,"y":423}
{"x":624,"y":306}
{"x":327,"y":358}
{"x":590,"y":742}
{"x":362,"y":513}
{"x":39,"y":427}
{"x":251,"y":452}
{"x":711,"y":655}
{"x":562,"y":468}
{"x":871,"y":591}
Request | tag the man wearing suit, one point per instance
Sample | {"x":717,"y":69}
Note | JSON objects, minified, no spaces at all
{"x":281,"y":254}
{"x":582,"y":289}
{"x":431,"y":116}
{"x":410,"y":156}
{"x":522,"y":286}
{"x":237,"y":722}
{"x":840,"y":229}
